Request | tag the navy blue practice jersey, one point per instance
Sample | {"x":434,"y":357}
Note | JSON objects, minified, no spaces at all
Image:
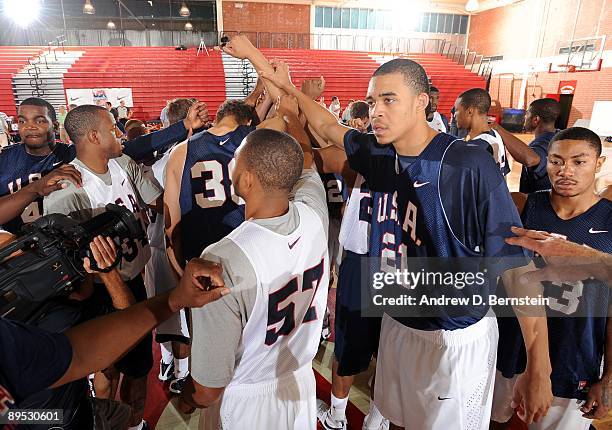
{"x":210,"y":209}
{"x":18,"y":168}
{"x":336,"y":191}
{"x":450,"y":201}
{"x":576,"y":310}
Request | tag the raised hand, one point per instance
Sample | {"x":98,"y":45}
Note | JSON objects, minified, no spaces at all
{"x":287,"y":104}
{"x":197,"y":117}
{"x":239,"y":47}
{"x":280,"y":77}
{"x":313,"y":87}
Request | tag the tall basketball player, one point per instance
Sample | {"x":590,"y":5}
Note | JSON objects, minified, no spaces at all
{"x":433,"y":196}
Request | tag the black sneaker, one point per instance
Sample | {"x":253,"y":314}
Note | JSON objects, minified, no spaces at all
{"x":326,"y":329}
{"x":176,"y":386}
{"x":166,"y":371}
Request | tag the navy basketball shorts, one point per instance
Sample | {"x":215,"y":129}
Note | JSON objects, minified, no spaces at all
{"x":356,"y":338}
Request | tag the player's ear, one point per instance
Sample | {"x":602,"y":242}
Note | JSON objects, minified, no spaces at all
{"x":92,"y":136}
{"x":422,"y":101}
{"x":600,"y":162}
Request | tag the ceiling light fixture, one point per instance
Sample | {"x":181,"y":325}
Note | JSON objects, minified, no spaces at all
{"x":111,"y":25}
{"x":188,"y":26}
{"x":184,"y":11}
{"x":89,"y":8}
{"x":22,"y":12}
{"x":472,"y":5}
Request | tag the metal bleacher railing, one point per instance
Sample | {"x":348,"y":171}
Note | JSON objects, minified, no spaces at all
{"x":475,"y":62}
{"x":149,"y":37}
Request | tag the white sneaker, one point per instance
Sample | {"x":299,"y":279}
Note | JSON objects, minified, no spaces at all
{"x":325,"y":417}
{"x":383,"y":426}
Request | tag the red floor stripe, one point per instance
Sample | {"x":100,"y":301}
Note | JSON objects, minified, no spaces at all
{"x":157,"y":393}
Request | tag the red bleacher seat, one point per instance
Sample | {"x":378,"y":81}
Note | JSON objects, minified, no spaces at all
{"x":157,"y":74}
{"x":12,"y":60}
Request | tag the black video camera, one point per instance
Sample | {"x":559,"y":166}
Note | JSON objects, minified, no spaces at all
{"x":50,"y":260}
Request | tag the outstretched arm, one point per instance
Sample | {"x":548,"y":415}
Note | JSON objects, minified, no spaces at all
{"x":287,"y":108}
{"x":241,"y":47}
{"x":172,"y":208}
{"x":320,"y":119}
{"x":98,"y":343}
{"x":517,"y":148}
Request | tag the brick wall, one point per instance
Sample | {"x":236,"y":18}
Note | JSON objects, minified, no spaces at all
{"x":591,"y":86}
{"x":270,"y":20}
{"x":533,"y":28}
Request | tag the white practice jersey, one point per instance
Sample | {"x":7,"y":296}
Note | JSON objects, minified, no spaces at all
{"x":499,"y":150}
{"x":355,"y":227}
{"x":121,"y":192}
{"x":283,"y":332}
{"x":155,"y":230}
{"x":436,"y":123}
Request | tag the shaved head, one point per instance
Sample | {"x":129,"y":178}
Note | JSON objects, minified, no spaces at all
{"x":274,"y":157}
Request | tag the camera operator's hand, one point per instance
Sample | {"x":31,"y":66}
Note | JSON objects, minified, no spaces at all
{"x":51,"y":181}
{"x":197,"y":117}
{"x":104,"y":252}
{"x":201,"y":283}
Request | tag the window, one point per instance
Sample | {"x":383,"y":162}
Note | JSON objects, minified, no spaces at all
{"x":319,"y":17}
{"x":363,"y":19}
{"x":371,"y":19}
{"x":379,"y":19}
{"x":336,"y":20}
{"x":346,"y":18}
{"x":327,"y":17}
{"x":464,"y":23}
{"x":440,"y":24}
{"x":354,"y":18}
{"x":456,"y":24}
{"x":448,"y":23}
{"x":424,"y":23}
{"x":388,"y":20}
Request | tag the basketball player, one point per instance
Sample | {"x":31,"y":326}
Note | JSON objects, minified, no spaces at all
{"x":172,"y":334}
{"x":471,"y":109}
{"x":540,"y":119}
{"x":254,"y":351}
{"x":578,"y":330}
{"x":109,"y":176}
{"x":356,"y":337}
{"x":38,"y":156}
{"x":402,"y":161}
{"x":435,"y":119}
{"x":22,"y":165}
{"x":201,"y":203}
